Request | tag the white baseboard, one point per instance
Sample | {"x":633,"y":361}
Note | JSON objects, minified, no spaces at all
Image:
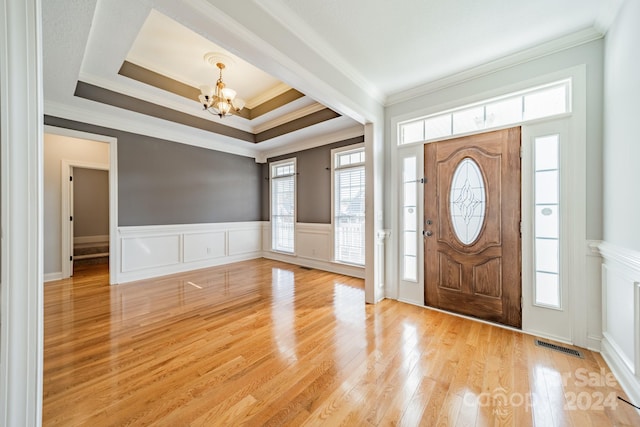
{"x":594,"y":343}
{"x":90,"y":256}
{"x":332,"y":267}
{"x":91,"y":239}
{"x":629,"y":382}
{"x":50,"y":277}
{"x":182,"y":268}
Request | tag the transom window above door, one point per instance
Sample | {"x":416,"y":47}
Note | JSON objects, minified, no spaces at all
{"x":519,"y":107}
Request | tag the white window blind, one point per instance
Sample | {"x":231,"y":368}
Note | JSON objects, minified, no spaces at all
{"x":349,"y":202}
{"x":283,"y":206}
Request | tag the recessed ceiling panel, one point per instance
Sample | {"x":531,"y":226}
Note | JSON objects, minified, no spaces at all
{"x":173,"y":50}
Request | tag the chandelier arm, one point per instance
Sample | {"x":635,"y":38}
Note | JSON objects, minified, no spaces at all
{"x":219,"y":100}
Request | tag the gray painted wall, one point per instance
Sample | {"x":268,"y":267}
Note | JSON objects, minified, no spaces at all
{"x":313,"y":182}
{"x":163,"y":182}
{"x":90,"y":202}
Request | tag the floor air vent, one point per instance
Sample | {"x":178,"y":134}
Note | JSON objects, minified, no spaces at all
{"x":559,"y":348}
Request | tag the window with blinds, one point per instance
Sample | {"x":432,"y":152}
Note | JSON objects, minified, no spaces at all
{"x":283,"y":205}
{"x":348,"y":206}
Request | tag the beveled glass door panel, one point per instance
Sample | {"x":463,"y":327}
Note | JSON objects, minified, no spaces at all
{"x":467,"y":201}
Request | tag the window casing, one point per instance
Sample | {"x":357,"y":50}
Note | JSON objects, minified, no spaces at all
{"x":283,"y":205}
{"x":349,"y":205}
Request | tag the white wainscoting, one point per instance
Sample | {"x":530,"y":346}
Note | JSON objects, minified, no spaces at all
{"x":313,"y":244}
{"x":621,"y":315}
{"x":156,"y":250}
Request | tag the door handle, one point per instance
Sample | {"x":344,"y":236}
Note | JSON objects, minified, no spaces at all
{"x":427,"y":233}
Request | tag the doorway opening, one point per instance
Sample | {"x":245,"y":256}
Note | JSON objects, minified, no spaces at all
{"x":89,"y":206}
{"x":80,"y":179}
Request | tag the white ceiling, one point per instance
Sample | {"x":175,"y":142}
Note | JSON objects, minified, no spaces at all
{"x":397,"y":45}
{"x":386,"y":48}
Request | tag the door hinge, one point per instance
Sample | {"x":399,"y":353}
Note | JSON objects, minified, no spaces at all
{"x":70,"y":178}
{"x":423,"y":180}
{"x":520,"y":228}
{"x":521,"y":151}
{"x":71,"y":258}
{"x":70,"y":218}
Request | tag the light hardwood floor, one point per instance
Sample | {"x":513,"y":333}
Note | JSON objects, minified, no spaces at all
{"x":267,"y":343}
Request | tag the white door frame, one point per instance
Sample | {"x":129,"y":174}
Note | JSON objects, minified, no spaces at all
{"x":21,"y":288}
{"x":67,"y":198}
{"x":66,"y":168}
{"x":554,"y":323}
{"x":574,"y":163}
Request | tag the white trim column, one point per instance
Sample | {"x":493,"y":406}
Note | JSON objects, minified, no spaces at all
{"x":374,"y":178}
{"x":21,"y":124}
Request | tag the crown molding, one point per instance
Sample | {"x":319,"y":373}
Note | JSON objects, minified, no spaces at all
{"x":277,"y":90}
{"x":149,"y":126}
{"x":296,"y":114}
{"x":608,"y":12}
{"x":288,"y":19}
{"x":308,"y":143}
{"x":556,"y":45}
{"x":165,"y":99}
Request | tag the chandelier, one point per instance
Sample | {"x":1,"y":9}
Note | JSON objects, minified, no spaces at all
{"x":219,"y":100}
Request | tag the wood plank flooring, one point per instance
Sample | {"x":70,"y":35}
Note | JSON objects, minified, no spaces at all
{"x":266,"y":343}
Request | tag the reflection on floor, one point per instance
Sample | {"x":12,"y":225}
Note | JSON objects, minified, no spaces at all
{"x":266,"y":343}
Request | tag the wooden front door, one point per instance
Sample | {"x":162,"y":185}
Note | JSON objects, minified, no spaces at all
{"x":472,"y":226}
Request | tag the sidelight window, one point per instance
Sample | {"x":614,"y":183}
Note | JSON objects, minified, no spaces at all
{"x":409,"y":218}
{"x":547,"y":221}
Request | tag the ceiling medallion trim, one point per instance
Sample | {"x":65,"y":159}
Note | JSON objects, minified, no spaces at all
{"x":213,"y":58}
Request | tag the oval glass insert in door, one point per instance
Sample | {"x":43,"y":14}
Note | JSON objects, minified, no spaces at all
{"x":467,"y":201}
